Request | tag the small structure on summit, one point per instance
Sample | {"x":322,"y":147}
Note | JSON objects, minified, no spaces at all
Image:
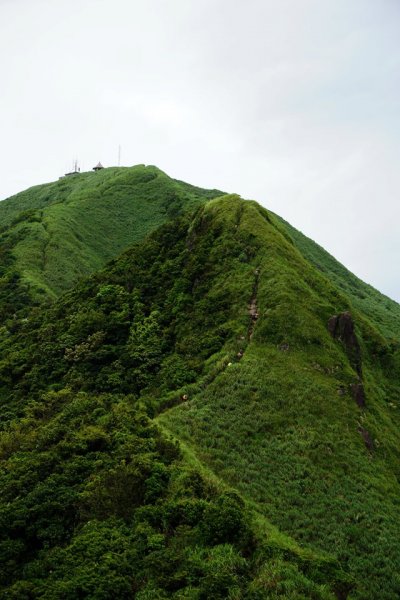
{"x":98,"y":167}
{"x":75,"y":170}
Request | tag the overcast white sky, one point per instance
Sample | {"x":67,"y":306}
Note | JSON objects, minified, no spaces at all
{"x":294,"y":103}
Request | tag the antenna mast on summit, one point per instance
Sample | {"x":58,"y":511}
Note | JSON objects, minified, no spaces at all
{"x":119,"y":156}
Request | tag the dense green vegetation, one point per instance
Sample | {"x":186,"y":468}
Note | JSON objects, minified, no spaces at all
{"x":184,"y":423}
{"x":92,"y":492}
{"x":105,"y":509}
{"x":96,"y":503}
{"x":59,"y":232}
{"x":148,"y":323}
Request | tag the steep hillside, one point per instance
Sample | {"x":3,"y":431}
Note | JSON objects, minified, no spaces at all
{"x":306,"y":422}
{"x":54,"y":234}
{"x":96,"y":501}
{"x":383,"y":311}
{"x":281,"y":392}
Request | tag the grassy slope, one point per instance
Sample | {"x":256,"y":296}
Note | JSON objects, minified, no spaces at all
{"x":275,"y":426}
{"x":65,"y":230}
{"x":383,"y":311}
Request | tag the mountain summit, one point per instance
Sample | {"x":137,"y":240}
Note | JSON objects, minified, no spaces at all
{"x":54,"y":234}
{"x":214,"y":413}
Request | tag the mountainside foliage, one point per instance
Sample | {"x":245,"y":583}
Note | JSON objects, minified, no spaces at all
{"x":55,"y":234}
{"x":209,"y":416}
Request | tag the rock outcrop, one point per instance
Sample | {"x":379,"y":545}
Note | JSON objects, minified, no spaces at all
{"x":342,"y":329}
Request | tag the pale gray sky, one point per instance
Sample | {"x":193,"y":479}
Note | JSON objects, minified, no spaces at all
{"x":294,"y":103}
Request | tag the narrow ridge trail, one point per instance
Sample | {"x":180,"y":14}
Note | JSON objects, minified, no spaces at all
{"x":253,"y":310}
{"x":210,"y":378}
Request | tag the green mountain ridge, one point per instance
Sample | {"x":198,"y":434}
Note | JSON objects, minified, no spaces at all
{"x":56,"y":233}
{"x":214,"y":414}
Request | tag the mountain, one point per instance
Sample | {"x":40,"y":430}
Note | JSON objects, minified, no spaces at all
{"x":214,"y":414}
{"x":52,"y":235}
